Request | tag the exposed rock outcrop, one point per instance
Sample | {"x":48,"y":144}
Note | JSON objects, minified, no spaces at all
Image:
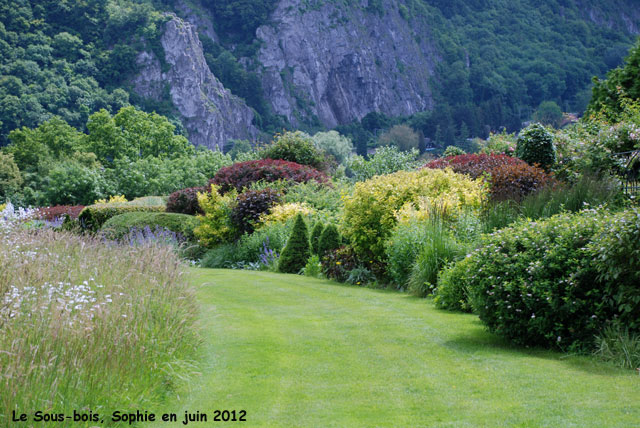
{"x":341,"y":62}
{"x":211,"y":114}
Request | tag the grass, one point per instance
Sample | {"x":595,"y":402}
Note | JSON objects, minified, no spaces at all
{"x":297,"y":351}
{"x":89,"y":325}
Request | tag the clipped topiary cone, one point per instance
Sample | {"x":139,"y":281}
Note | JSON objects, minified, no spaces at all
{"x":296,"y":253}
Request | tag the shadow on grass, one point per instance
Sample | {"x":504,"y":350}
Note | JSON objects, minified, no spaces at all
{"x":482,"y":342}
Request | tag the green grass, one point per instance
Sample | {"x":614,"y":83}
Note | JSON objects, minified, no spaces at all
{"x":296,"y":351}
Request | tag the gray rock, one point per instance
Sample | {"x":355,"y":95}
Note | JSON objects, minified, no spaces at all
{"x":341,"y":62}
{"x":211,"y":114}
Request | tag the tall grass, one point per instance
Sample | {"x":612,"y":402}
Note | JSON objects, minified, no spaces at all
{"x":89,"y":325}
{"x":618,"y":346}
{"x":439,"y":248}
{"x":552,"y":200}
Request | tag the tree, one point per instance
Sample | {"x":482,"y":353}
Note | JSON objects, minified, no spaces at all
{"x":333,"y":143}
{"x":621,"y":82}
{"x":548,"y":113}
{"x":401,"y":136}
{"x":315,"y":236}
{"x":296,"y":253}
{"x":10,"y":177}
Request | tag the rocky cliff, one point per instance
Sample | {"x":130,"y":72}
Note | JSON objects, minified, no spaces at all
{"x":211,"y":114}
{"x":341,"y":62}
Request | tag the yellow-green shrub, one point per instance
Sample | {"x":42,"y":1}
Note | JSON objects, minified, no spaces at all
{"x":282,"y":213}
{"x":112,"y":200}
{"x":215,"y":225}
{"x":372,"y":211}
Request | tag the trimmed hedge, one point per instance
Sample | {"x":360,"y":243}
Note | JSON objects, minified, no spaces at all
{"x":243,"y":174}
{"x":120,"y":225}
{"x":94,"y":216}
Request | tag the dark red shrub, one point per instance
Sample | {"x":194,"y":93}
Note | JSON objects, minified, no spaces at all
{"x":473,"y":165}
{"x":250,"y":205}
{"x":338,"y":263}
{"x":510,"y":178}
{"x":517,"y":181}
{"x":58,"y":211}
{"x":242,"y":174}
{"x":185,"y":201}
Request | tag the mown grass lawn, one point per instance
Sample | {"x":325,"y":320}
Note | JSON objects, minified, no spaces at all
{"x":294,"y":351}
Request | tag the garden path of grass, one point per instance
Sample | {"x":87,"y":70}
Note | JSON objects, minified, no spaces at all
{"x":295,"y":351}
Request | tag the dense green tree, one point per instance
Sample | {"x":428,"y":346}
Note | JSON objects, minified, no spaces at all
{"x":548,"y":113}
{"x":621,"y":82}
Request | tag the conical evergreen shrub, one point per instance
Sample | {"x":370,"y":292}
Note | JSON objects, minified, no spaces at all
{"x":315,"y":236}
{"x":296,"y":253}
{"x":329,"y":240}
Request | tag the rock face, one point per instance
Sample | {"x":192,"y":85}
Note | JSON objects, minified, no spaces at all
{"x":341,"y":62}
{"x":211,"y":114}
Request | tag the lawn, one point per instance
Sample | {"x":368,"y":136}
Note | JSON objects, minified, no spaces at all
{"x":294,"y":351}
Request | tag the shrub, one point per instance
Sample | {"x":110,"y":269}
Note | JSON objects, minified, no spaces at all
{"x":329,"y":240}
{"x":70,"y":183}
{"x":508,"y":177}
{"x":402,"y":249}
{"x":453,"y":151}
{"x":282,"y":213}
{"x":250,"y":206}
{"x":386,"y":160}
{"x":535,"y":146}
{"x":316,"y":232}
{"x":553,"y":282}
{"x":215,"y":225}
{"x":119,"y":226}
{"x":185,"y":201}
{"x":10,"y":177}
{"x":113,"y":199}
{"x":313,"y":268}
{"x":370,"y":213}
{"x":94,"y":216}
{"x":273,"y":237}
{"x":295,"y":147}
{"x":241,"y":175}
{"x":337,"y":264}
{"x":615,"y":252}
{"x":222,"y":256}
{"x":473,"y":165}
{"x":52,"y":213}
{"x":296,"y":252}
{"x":452,"y":293}
{"x":500,"y":144}
{"x":517,"y":181}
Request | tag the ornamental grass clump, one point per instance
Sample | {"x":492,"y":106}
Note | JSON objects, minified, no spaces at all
{"x":91,"y":325}
{"x":296,"y":253}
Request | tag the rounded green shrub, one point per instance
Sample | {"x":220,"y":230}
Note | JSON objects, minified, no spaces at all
{"x":452,"y":293}
{"x":316,"y":232}
{"x":296,"y":253}
{"x":295,"y":147}
{"x":535,"y":146}
{"x":119,"y":226}
{"x":329,"y":240}
{"x":557,"y":282}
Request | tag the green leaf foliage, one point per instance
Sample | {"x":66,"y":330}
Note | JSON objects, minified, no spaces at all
{"x":296,"y":253}
{"x":329,"y":240}
{"x":535,"y":146}
{"x":316,"y":232}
